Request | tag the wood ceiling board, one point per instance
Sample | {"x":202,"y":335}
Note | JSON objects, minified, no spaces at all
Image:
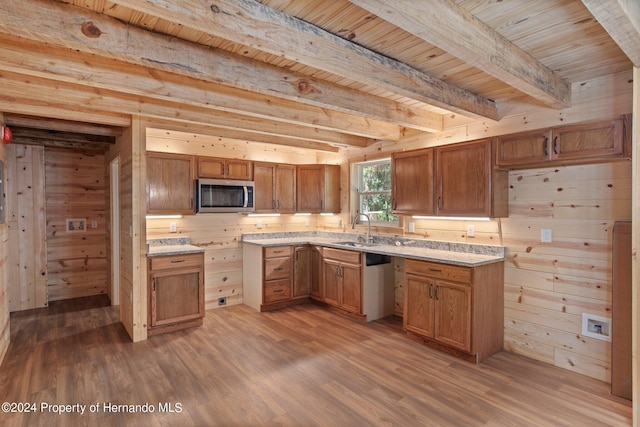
{"x":621,"y":20}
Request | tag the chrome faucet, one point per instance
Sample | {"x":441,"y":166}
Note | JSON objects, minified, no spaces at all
{"x":355,"y":219}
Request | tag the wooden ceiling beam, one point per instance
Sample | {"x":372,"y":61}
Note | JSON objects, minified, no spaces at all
{"x":621,"y":19}
{"x":70,"y":126}
{"x":21,"y":90}
{"x":448,"y":26}
{"x":252,"y":24}
{"x":86,"y":31}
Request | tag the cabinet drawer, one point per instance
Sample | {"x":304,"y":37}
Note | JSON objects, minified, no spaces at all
{"x":438,"y":271}
{"x":277,"y":291}
{"x":176,"y":261}
{"x":351,"y":257}
{"x":277,"y":268}
{"x":277,"y":251}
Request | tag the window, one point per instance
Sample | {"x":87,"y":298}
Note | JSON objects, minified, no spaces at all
{"x":373,"y":191}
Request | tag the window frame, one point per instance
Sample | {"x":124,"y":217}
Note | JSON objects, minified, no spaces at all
{"x":356,"y":194}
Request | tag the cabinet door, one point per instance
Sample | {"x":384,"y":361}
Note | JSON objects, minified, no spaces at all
{"x":310,"y":188}
{"x":351,"y":299}
{"x":170,"y":184}
{"x":464,"y":179}
{"x":591,"y":140}
{"x":453,"y":314}
{"x":302,"y":271}
{"x":239,"y":169}
{"x":211,"y":167}
{"x":285,"y":184}
{"x":317,"y":282}
{"x":264,"y":194}
{"x":175,"y":296}
{"x":332,"y":280}
{"x":413,"y":179}
{"x":523,"y":148}
{"x":418,"y":305}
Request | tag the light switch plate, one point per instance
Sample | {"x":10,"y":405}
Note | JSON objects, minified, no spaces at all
{"x":546,"y":236}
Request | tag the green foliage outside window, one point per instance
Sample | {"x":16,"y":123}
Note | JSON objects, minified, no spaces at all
{"x":374,"y":191}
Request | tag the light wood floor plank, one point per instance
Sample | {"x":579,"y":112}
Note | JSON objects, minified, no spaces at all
{"x":301,"y":366}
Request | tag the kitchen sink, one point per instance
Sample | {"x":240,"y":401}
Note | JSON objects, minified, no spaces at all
{"x":354,"y":244}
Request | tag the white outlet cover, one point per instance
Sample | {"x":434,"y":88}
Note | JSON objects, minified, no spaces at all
{"x":173,"y":227}
{"x":412,"y":227}
{"x":546,"y":236}
{"x":471,"y":230}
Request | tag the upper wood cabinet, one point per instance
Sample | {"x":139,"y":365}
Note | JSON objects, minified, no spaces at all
{"x":170,"y":183}
{"x":275,"y":189}
{"x":318,"y":188}
{"x":575,"y":144}
{"x":467,"y":183}
{"x":214,"y":167}
{"x":413,"y":182}
{"x":523,"y":148}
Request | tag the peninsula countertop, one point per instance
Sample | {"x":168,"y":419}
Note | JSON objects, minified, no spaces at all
{"x":171,"y":246}
{"x":463,"y":254}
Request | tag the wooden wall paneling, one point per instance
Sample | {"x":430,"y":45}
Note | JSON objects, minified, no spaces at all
{"x":26,"y":223}
{"x":4,"y":270}
{"x":549,"y":285}
{"x":75,"y":188}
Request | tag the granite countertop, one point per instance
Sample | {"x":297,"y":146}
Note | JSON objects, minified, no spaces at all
{"x":171,"y":246}
{"x":464,"y":254}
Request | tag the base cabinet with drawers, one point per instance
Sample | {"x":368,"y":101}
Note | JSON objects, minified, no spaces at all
{"x":455,"y":309}
{"x":275,"y":276}
{"x":176,"y":292}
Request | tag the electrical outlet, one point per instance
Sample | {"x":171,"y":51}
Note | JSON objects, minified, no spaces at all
{"x":306,"y":222}
{"x":259,"y":224}
{"x":94,"y":224}
{"x":546,"y":236}
{"x":173,"y":227}
{"x":412,"y":227}
{"x":471,"y":230}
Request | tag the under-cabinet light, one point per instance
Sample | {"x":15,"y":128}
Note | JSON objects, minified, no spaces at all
{"x":326,"y":214}
{"x":164,"y":216}
{"x":263,"y":214}
{"x":453,"y":218}
{"x":303,"y":214}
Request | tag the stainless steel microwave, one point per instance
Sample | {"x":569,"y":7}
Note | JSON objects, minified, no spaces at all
{"x":224,"y":195}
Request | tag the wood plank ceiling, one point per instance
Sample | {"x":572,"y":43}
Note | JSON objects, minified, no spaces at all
{"x":306,"y":73}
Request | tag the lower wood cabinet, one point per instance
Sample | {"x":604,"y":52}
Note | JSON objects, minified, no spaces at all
{"x":176,"y":292}
{"x":455,"y":309}
{"x":342,"y":274}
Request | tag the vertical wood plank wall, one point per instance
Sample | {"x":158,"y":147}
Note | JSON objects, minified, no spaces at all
{"x":75,"y":189}
{"x":25,"y":216}
{"x":4,"y":288}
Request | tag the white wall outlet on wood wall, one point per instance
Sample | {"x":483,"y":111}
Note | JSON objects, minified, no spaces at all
{"x":172,"y":227}
{"x":471,"y":230}
{"x":546,"y":236}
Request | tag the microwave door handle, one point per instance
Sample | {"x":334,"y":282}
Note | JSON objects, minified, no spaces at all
{"x":246,"y":196}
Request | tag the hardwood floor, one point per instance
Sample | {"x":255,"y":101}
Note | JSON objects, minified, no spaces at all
{"x":302,"y":366}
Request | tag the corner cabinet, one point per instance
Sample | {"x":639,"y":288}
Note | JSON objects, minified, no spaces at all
{"x":318,"y":188}
{"x":175,"y":292}
{"x":455,"y":309}
{"x":170,"y":183}
{"x":413,"y":182}
{"x":576,"y":144}
{"x":468,"y":184}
